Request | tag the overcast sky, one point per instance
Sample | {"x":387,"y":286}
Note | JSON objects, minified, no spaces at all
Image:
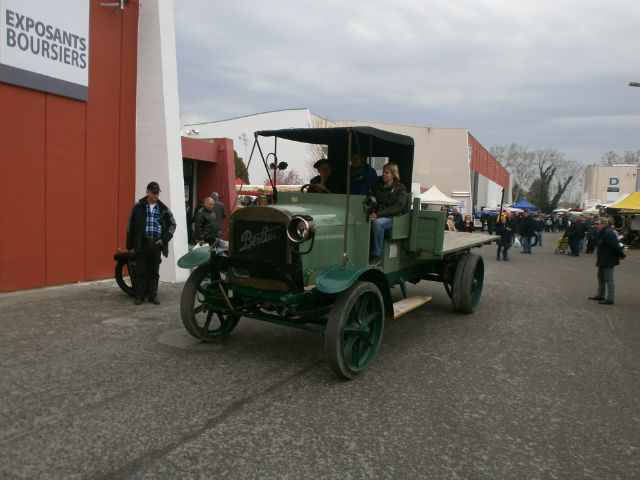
{"x":536,"y":73}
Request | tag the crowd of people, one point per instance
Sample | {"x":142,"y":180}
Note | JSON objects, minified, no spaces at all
{"x":577,"y":231}
{"x":526,"y":229}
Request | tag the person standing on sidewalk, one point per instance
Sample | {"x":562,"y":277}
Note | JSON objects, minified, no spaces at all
{"x":205,"y":223}
{"x":608,"y":254}
{"x":575,"y":233}
{"x":219,"y":211}
{"x":526,"y":231}
{"x":538,"y":228}
{"x":151,"y":228}
{"x":506,"y":238}
{"x":492,"y":221}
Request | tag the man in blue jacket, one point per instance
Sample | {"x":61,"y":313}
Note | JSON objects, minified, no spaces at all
{"x":363,"y":176}
{"x":151,"y":228}
{"x":608,"y":254}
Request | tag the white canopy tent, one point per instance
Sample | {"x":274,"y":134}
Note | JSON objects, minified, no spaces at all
{"x":434,"y":196}
{"x":505,"y":208}
{"x":592,"y":209}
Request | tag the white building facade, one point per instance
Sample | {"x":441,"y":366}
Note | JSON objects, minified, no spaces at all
{"x":605,"y":184}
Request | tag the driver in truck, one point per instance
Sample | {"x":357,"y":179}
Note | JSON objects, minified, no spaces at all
{"x":325,"y":182}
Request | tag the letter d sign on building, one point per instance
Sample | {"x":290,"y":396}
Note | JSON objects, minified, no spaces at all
{"x":613,"y":189}
{"x":44,"y":45}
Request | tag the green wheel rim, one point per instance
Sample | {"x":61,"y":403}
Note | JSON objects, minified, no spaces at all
{"x":362,"y":332}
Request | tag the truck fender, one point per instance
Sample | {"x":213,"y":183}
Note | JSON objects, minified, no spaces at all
{"x":336,"y":279}
{"x":198,"y":256}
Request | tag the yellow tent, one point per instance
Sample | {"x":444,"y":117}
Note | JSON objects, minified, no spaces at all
{"x":628,"y":206}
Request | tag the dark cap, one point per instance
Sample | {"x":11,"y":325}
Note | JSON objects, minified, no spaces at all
{"x":154,"y":187}
{"x":320,"y":162}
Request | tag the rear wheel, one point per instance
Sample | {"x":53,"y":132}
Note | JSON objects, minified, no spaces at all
{"x":467,"y":284}
{"x":354,"y":329}
{"x":198,"y":296}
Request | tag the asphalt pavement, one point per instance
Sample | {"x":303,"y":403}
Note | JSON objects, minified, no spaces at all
{"x":538,"y":383}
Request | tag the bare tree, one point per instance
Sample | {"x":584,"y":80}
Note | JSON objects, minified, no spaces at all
{"x":536,"y":173}
{"x":290,"y":177}
{"x":610,"y":158}
{"x":632,"y":157}
{"x":520,"y":163}
{"x":555,"y":174}
{"x":629,"y":157}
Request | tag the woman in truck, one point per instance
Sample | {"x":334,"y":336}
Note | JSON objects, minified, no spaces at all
{"x":391,"y":200}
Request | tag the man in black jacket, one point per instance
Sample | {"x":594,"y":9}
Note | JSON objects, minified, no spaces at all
{"x":151,"y":228}
{"x":526,"y":231}
{"x":575,"y":234}
{"x":608,"y":254}
{"x":206,"y":223}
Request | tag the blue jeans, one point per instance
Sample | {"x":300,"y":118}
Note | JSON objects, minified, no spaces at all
{"x":525,"y":240}
{"x":379,"y":226}
{"x":504,"y":249}
{"x":539,"y":235}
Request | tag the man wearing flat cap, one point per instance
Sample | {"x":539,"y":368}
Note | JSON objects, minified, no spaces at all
{"x":325,"y":182}
{"x":151,"y":228}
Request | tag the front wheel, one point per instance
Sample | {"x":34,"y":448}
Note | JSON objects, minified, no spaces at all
{"x":467,"y":283}
{"x":199,"y":294}
{"x":354,"y":329}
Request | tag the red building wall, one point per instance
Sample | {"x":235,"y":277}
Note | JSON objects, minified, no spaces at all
{"x":215,"y":171}
{"x":484,"y":163}
{"x":68,"y":167}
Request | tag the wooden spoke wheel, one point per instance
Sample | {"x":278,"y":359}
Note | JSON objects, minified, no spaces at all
{"x":467,"y":283}
{"x":354,"y":329}
{"x":198,"y":295}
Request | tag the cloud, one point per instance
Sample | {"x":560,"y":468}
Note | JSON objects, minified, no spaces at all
{"x":509,"y":71}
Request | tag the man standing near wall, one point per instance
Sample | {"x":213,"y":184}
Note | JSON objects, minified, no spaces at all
{"x":219,"y":211}
{"x":151,"y":228}
{"x":206,"y":223}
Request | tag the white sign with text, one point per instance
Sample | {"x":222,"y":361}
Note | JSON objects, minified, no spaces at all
{"x":44,"y":45}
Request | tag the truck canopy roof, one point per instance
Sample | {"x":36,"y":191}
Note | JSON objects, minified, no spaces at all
{"x":369,"y":141}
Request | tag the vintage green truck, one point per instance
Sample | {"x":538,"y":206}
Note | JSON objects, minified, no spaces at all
{"x":303,"y":261}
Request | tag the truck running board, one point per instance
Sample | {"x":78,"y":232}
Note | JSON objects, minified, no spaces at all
{"x":407,"y":304}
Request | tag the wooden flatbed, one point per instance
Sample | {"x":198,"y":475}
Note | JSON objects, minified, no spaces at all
{"x":456,"y":241}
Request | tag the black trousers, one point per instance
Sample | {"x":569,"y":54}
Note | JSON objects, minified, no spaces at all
{"x":148,"y":269}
